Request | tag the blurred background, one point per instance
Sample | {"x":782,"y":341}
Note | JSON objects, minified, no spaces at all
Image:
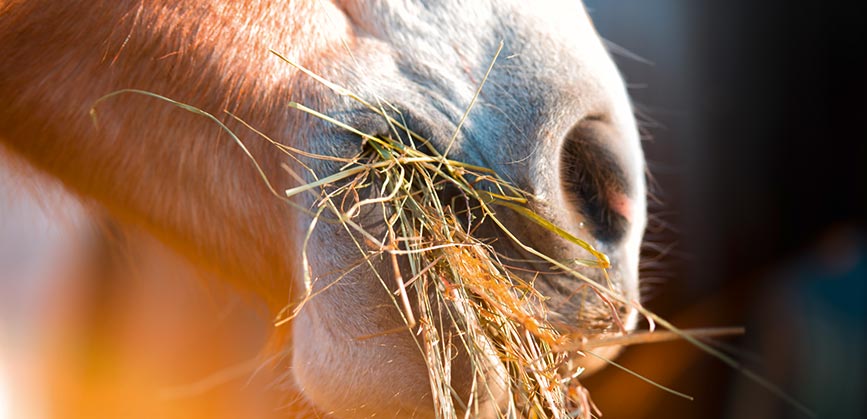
{"x":754,"y":114}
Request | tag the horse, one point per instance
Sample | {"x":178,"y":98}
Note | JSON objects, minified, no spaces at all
{"x":528,"y":91}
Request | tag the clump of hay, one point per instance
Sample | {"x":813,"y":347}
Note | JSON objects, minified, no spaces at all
{"x":465,"y":296}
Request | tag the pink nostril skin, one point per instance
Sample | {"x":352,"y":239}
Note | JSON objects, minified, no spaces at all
{"x":621,"y":204}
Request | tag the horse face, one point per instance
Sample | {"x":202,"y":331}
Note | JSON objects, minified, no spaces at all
{"x":553,"y":118}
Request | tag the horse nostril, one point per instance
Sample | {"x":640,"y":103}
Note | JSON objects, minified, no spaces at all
{"x":594,"y":181}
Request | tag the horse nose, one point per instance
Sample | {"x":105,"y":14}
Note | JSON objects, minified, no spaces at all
{"x":594,"y":178}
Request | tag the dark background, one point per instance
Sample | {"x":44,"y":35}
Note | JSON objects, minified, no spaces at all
{"x":756,"y":126}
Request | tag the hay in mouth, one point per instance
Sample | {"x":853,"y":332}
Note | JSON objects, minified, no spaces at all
{"x":466,"y":299}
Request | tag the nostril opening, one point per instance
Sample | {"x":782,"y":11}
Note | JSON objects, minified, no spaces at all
{"x":593,"y":179}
